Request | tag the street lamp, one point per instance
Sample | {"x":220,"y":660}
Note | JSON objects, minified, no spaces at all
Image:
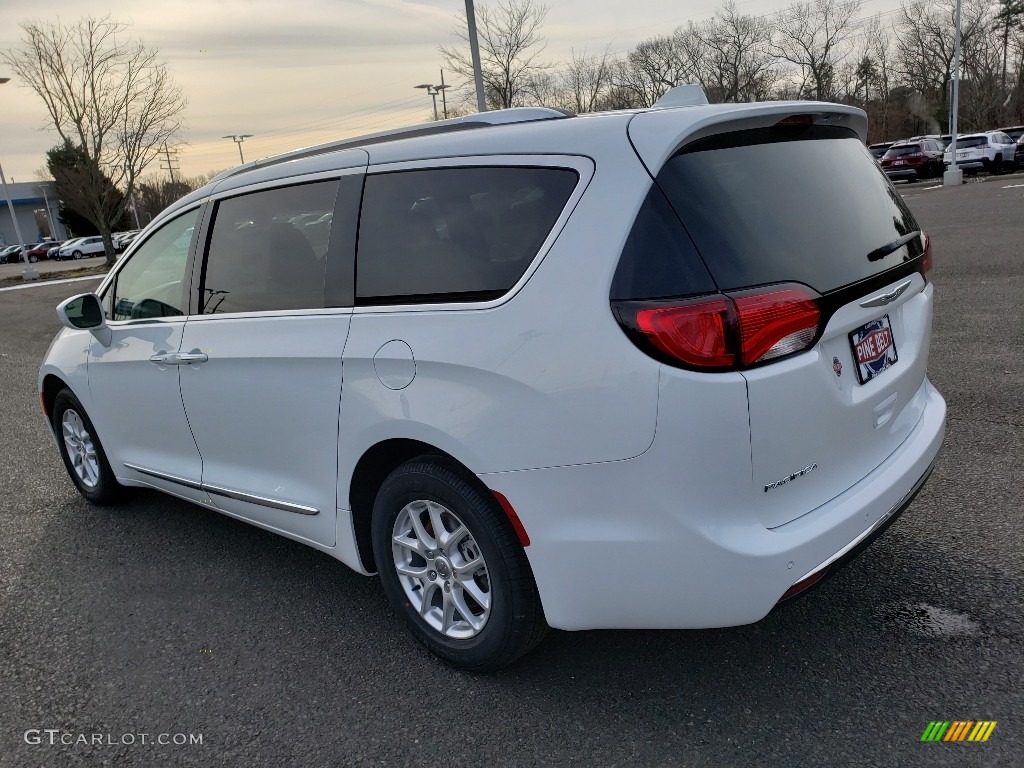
{"x":954,"y":175}
{"x":28,"y":273}
{"x":433,"y":90}
{"x":238,"y":139}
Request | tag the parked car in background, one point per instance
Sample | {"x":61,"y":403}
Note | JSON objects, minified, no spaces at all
{"x":1018,"y":154}
{"x":574,"y":395}
{"x":12,"y":253}
{"x":38,"y":252}
{"x":82,"y":248}
{"x":1015,"y":132}
{"x":51,"y":252}
{"x":991,"y":151}
{"x":913,"y":160}
{"x":877,"y":150}
{"x":123,"y":239}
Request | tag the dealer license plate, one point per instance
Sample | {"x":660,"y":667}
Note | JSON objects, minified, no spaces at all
{"x":873,"y":348}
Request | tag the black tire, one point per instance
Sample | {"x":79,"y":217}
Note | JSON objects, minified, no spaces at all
{"x":515,"y":623}
{"x":77,"y":254}
{"x":107,"y":490}
{"x":997,"y":165}
{"x":33,"y":259}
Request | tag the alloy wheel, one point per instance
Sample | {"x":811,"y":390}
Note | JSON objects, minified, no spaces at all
{"x":441,"y":569}
{"x":81,"y":449}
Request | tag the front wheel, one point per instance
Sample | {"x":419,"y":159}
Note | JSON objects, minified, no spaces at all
{"x":82,"y":453}
{"x":453,"y":568}
{"x":77,"y":254}
{"x":997,"y":165}
{"x":33,"y":259}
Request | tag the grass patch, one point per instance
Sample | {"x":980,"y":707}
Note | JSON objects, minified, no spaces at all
{"x":44,"y":277}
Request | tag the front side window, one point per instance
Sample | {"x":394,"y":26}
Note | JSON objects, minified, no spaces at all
{"x":151,"y":284}
{"x":268,"y":250}
{"x":454,"y":234}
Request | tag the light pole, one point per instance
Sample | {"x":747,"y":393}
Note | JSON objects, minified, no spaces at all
{"x":954,"y":175}
{"x":474,"y":50}
{"x":433,"y":90}
{"x":28,"y":273}
{"x":238,"y":139}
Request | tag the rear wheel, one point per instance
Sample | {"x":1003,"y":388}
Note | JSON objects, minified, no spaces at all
{"x":452,"y":566}
{"x":997,"y":165}
{"x":82,"y":453}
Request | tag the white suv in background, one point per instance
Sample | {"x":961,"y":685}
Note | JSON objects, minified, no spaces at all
{"x":639,"y":369}
{"x":992,"y":151}
{"x":81,"y":248}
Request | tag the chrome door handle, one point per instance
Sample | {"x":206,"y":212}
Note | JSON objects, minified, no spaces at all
{"x":174,"y":358}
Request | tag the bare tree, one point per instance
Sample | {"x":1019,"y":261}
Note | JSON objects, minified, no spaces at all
{"x":510,"y":50}
{"x":812,"y":35}
{"x":586,"y":81}
{"x":650,"y":70}
{"x":730,"y":55}
{"x":111,"y":99}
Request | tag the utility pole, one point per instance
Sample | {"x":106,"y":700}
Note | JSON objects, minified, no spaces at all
{"x":444,"y":101}
{"x":474,"y":49}
{"x":170,"y":163}
{"x":238,"y":139}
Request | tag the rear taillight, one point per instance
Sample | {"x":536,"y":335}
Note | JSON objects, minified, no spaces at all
{"x":726,"y":331}
{"x":695,"y":334}
{"x":926,"y":257}
{"x":776,"y":323}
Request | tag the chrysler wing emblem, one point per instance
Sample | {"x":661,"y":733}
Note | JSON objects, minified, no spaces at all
{"x":886,"y":298}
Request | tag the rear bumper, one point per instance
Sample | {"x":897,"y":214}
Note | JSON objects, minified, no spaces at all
{"x":969,"y":165}
{"x":629,"y":545}
{"x":901,"y":173}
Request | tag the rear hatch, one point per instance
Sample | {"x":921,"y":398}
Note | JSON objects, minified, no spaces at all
{"x":799,"y":214}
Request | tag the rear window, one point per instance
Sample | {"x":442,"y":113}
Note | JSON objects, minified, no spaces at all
{"x":907,"y":149}
{"x":804,"y":204}
{"x":971,"y":141}
{"x":454,"y":234}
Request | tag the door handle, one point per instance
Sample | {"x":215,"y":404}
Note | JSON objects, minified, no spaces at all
{"x":175,"y":358}
{"x":195,"y":356}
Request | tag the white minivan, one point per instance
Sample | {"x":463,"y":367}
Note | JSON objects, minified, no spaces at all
{"x":639,"y":369}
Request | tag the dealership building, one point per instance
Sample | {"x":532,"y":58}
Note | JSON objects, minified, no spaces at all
{"x":35,"y":205}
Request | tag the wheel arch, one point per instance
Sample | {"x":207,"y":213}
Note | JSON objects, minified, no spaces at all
{"x":372,"y":468}
{"x":51,"y":385}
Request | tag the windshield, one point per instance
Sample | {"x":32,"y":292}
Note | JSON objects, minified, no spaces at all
{"x":766,"y":208}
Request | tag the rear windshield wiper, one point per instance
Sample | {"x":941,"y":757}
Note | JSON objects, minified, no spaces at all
{"x":885,"y":250}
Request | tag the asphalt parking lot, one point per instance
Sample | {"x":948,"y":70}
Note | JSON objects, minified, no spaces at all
{"x":159,"y":617}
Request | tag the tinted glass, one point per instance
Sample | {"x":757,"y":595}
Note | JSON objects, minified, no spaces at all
{"x":151,"y":284}
{"x":971,"y":141}
{"x":454,"y":233}
{"x":763,"y":206}
{"x":268,"y":250}
{"x":909,"y":149}
{"x":659,"y":259}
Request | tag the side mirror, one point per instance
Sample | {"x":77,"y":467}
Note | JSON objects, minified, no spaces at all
{"x":85,"y":313}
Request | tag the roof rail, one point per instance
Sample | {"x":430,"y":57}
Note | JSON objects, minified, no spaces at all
{"x":468,"y":122}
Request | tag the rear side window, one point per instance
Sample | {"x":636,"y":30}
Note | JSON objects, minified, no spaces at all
{"x":908,"y":149}
{"x":454,"y":234}
{"x":659,"y":260}
{"x":805,"y":204}
{"x":268,"y":250}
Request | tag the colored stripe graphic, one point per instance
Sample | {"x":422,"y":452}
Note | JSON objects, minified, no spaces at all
{"x":959,"y":730}
{"x":935,"y":730}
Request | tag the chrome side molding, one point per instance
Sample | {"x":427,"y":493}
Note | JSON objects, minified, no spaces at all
{"x":284,"y":506}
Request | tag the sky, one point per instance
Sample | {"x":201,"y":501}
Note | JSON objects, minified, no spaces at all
{"x":303,"y":72}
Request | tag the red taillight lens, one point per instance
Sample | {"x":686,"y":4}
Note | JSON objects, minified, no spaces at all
{"x":776,"y":323}
{"x":696,"y":334}
{"x":725,"y":332}
{"x":926,"y":257}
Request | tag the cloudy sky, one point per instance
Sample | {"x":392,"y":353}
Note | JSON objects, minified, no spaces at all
{"x":306,"y":71}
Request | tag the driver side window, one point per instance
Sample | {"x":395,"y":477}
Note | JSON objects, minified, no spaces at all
{"x":151,"y":284}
